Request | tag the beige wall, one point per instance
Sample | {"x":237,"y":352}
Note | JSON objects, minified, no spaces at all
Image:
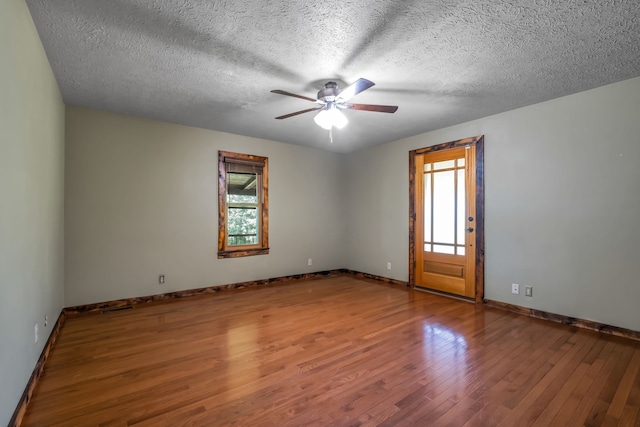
{"x":141,"y":200}
{"x":562,"y":187}
{"x":31,"y":200}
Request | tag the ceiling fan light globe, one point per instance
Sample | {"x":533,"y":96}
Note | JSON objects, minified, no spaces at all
{"x":339,"y":120}
{"x":323,"y":119}
{"x":330,"y":118}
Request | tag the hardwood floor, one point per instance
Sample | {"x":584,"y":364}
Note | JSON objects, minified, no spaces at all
{"x":333,"y":352}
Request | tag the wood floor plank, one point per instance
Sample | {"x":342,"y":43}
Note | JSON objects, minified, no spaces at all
{"x":589,"y":400}
{"x":623,"y":390}
{"x":629,"y":416}
{"x":548,"y":404}
{"x":333,"y":351}
{"x":526,"y":409}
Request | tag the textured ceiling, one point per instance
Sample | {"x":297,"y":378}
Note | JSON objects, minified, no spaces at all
{"x":212,"y":64}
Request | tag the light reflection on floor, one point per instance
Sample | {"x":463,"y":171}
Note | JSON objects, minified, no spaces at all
{"x":442,"y":345}
{"x":241,"y":343}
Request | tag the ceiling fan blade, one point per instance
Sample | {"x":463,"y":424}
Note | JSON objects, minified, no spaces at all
{"x":286,"y":116}
{"x":282,"y":92}
{"x":371,"y":107}
{"x":354,"y":89}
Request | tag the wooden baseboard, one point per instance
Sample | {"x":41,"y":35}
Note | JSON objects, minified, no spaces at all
{"x":383,"y":279}
{"x":566,"y":320}
{"x":127,"y":303}
{"x":21,"y":408}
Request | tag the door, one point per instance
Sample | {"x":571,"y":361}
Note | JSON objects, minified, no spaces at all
{"x":445,"y":221}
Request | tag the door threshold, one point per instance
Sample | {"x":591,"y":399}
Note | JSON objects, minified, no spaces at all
{"x":445,"y":294}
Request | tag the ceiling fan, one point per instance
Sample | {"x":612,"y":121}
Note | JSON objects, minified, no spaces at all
{"x":332,"y":100}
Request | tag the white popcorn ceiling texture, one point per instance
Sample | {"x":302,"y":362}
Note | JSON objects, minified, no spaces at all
{"x":212,"y":64}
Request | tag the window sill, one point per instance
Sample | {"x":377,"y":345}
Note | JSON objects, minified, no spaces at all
{"x":242,"y":253}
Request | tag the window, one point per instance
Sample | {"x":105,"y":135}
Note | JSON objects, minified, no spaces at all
{"x":243,"y":226}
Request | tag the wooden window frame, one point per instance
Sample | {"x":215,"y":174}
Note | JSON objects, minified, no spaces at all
{"x":262,"y":247}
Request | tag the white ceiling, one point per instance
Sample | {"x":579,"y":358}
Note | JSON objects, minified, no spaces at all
{"x":212,"y":64}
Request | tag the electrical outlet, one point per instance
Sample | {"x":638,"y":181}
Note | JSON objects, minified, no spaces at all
{"x":35,"y":333}
{"x":528,"y":291}
{"x":161,"y":279}
{"x":46,"y":320}
{"x":388,"y":266}
{"x":515,"y":288}
{"x":309,"y":261}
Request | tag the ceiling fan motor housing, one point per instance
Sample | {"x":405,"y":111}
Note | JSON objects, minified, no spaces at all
{"x":329,"y":93}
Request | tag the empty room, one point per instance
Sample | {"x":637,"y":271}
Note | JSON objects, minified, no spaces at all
{"x":279,"y":213}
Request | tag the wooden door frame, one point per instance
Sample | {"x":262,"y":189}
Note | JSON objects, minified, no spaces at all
{"x":478,"y":141}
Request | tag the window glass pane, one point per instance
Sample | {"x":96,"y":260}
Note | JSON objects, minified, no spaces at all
{"x":446,"y":164}
{"x":461,"y":162}
{"x":444,"y":249}
{"x":462,"y":210}
{"x":242,"y":187}
{"x":427,"y":247}
{"x":427,"y":207}
{"x":427,"y":167}
{"x":242,"y":225}
{"x":443,"y":207}
{"x":460,"y":250}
